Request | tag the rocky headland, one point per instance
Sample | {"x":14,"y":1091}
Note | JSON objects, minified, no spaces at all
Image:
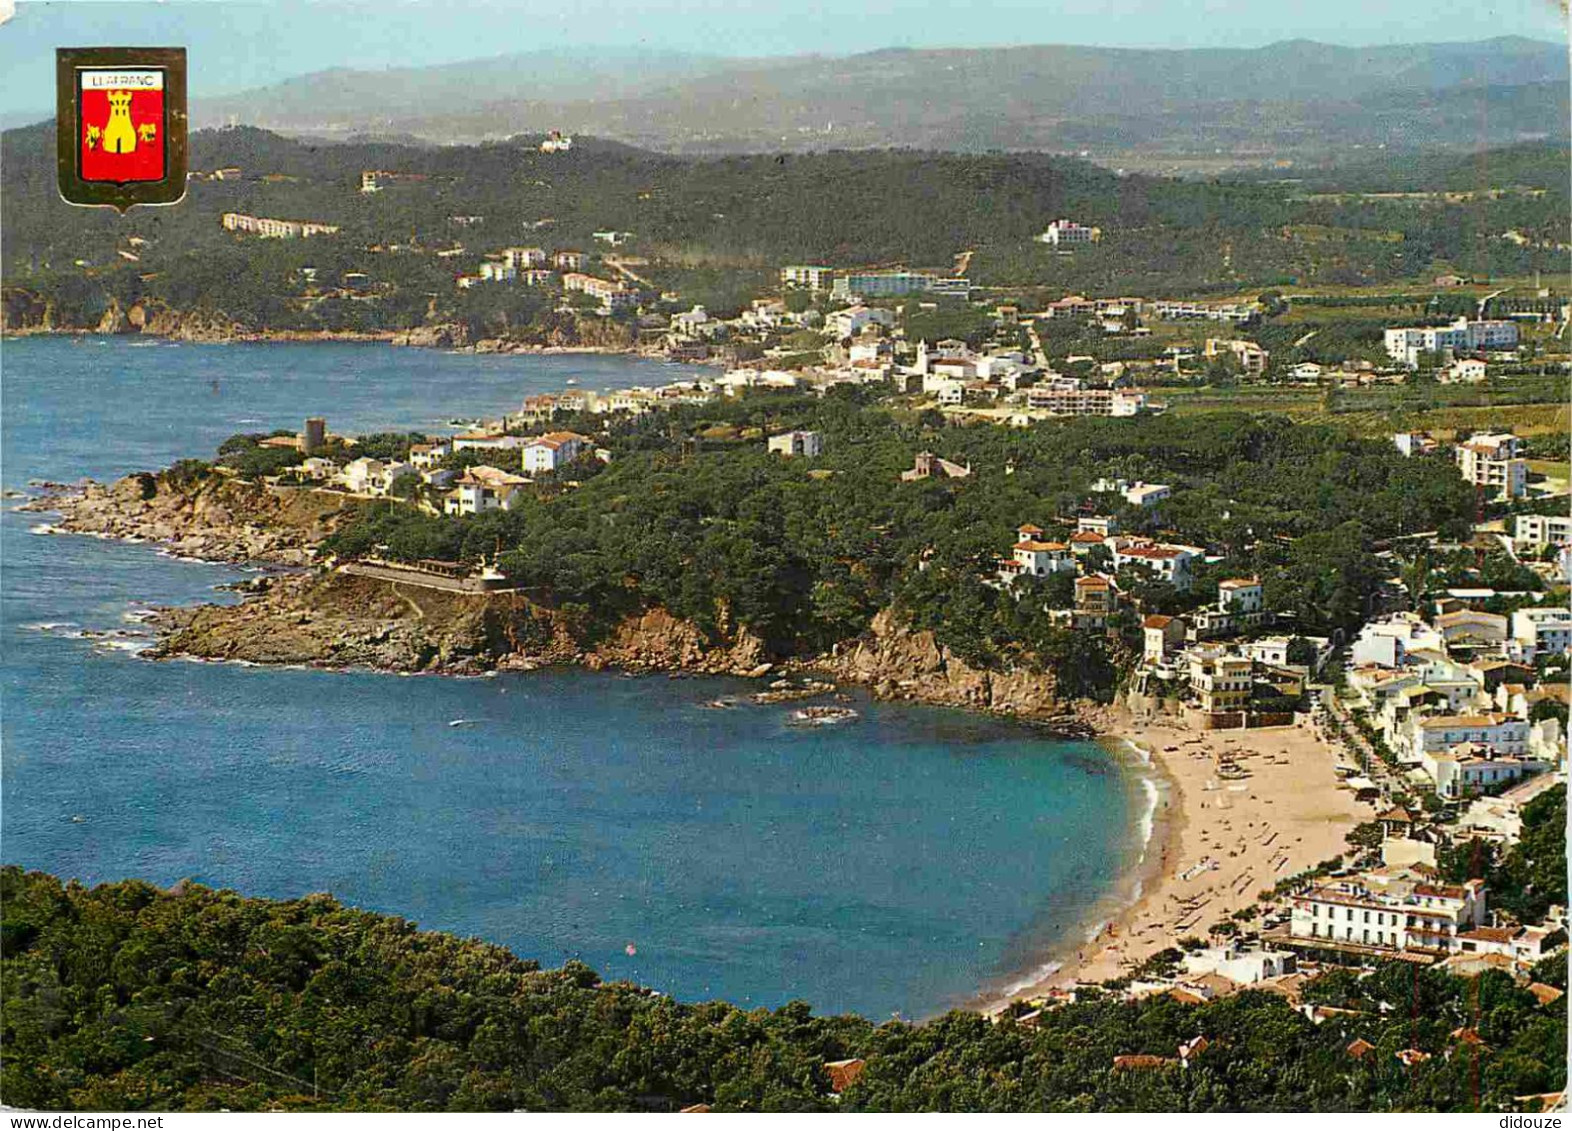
{"x":325,"y":617}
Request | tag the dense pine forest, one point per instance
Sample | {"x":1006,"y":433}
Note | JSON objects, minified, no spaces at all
{"x":692,"y":514}
{"x":125,"y":997}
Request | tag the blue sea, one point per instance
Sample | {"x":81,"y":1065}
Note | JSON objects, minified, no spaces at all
{"x":896,"y":864}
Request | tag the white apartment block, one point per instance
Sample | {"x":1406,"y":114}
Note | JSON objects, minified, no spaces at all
{"x":1176,"y":311}
{"x":1389,"y":911}
{"x":1086,"y":402}
{"x":275,"y":229}
{"x":1468,"y":769}
{"x":1406,"y":343}
{"x":1491,"y":461}
{"x":1540,"y":632}
{"x":809,"y":275}
{"x":1542,"y":530}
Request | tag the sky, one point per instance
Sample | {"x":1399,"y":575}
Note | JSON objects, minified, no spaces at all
{"x":240,"y":44}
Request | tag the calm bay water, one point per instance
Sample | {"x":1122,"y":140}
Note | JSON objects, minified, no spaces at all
{"x":896,"y":863}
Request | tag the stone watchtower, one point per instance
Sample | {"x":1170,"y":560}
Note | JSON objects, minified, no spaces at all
{"x":314,"y":438}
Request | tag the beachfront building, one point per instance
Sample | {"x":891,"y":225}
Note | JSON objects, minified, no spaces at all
{"x":1389,"y":910}
{"x":1247,"y":967}
{"x":1471,"y":768}
{"x":553,"y":450}
{"x":798,"y":443}
{"x":1220,"y":680}
{"x":1433,"y":734}
{"x":1491,"y":461}
{"x":482,"y":489}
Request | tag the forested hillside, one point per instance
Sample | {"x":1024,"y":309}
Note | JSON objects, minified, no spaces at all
{"x":711,"y":229}
{"x":127,"y":998}
{"x":804,"y":553}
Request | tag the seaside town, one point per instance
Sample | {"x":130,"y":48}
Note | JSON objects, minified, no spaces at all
{"x":1274,"y":511}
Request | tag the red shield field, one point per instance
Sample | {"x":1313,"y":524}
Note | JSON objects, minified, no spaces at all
{"x":122,"y":124}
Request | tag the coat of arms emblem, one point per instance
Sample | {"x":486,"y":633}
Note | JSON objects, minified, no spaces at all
{"x":121,"y":117}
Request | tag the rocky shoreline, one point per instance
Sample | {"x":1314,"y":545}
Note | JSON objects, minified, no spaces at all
{"x":23,"y":315}
{"x":321,"y":617}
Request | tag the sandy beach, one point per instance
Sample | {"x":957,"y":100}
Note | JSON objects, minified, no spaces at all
{"x":1220,"y":836}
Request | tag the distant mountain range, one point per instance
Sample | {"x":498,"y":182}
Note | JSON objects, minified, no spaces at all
{"x":1294,"y":99}
{"x":1156,"y":110}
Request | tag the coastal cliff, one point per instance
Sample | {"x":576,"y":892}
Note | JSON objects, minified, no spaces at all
{"x":333,"y":619}
{"x":338,"y":620}
{"x":25,"y":313}
{"x":213,"y":517}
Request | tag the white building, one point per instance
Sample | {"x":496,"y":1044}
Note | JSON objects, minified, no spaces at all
{"x":366,"y":476}
{"x":425,"y":456}
{"x":1389,"y":642}
{"x":483,"y":489}
{"x":1240,"y":595}
{"x":1539,"y":632}
{"x":1247,"y":967}
{"x":1163,"y":562}
{"x":1542,"y":530}
{"x":809,"y":444}
{"x":1468,"y":768}
{"x":1406,"y":343}
{"x":850,"y":322}
{"x":1389,"y":910}
{"x":1491,"y":460}
{"x":1147,"y":494}
{"x":1065,"y":233}
{"x":808,"y":275}
{"x":1032,"y":557}
{"x":1434,"y":734}
{"x":553,"y":450}
{"x":1414,"y":443}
